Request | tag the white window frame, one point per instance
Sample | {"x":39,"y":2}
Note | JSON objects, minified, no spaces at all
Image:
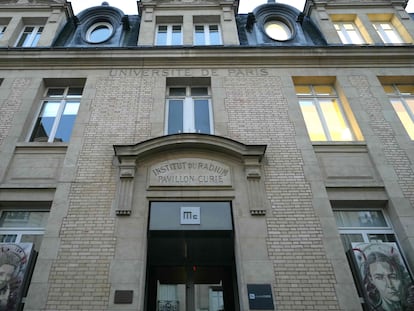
{"x":18,"y":232}
{"x":37,"y":29}
{"x":344,"y":33}
{"x":383,"y":33}
{"x":315,"y":98}
{"x":189,"y":125}
{"x":170,"y":28}
{"x":401,"y":97}
{"x":63,"y":100}
{"x":206,"y":32}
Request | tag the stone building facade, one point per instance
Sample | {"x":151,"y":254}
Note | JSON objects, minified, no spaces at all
{"x":193,"y":158}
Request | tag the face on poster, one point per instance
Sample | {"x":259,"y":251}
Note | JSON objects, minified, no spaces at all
{"x":14,"y":266}
{"x":384,"y":278}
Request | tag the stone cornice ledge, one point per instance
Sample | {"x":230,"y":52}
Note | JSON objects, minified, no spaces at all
{"x":364,"y":55}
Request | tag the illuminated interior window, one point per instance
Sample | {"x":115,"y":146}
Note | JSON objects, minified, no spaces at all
{"x":323,"y":113}
{"x":278,"y":30}
{"x":349,"y":33}
{"x":402,"y":100}
{"x":387,"y":32}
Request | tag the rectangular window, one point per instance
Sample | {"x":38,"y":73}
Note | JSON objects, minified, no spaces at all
{"x":207,"y":35}
{"x":30,"y":36}
{"x":58,"y":113}
{"x":2,"y":30}
{"x":349,"y":33}
{"x":21,"y":226}
{"x":169,"y":35}
{"x":375,"y":258}
{"x":189,"y":110}
{"x":387,"y":32}
{"x":324,"y":115}
{"x":402,"y":100}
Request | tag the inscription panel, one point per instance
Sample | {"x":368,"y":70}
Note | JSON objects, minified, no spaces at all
{"x":190,"y":172}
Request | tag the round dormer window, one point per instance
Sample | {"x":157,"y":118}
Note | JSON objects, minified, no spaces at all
{"x":278,"y":30}
{"x":99,"y":32}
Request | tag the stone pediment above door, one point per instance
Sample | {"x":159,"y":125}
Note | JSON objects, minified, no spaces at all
{"x":187,"y":161}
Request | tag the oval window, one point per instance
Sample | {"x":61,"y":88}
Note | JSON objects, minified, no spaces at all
{"x":99,"y":32}
{"x":278,"y":30}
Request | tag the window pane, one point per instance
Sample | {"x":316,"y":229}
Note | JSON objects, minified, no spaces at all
{"x":389,"y":89}
{"x":36,"y":239}
{"x":214,"y":35}
{"x":202,"y":116}
{"x":312,"y":121}
{"x":45,"y":121}
{"x":14,"y":219}
{"x":66,"y":122}
{"x":347,"y":239}
{"x":177,"y":91}
{"x":326,"y":90}
{"x":8,"y":238}
{"x":24,"y":40}
{"x":199,"y":38}
{"x":335,"y":121}
{"x":354,"y":219}
{"x":405,"y":118}
{"x":303,"y":90}
{"x":55,"y":92}
{"x":199,"y":91}
{"x":176,"y":38}
{"x":75,"y":92}
{"x":37,"y":37}
{"x":162,"y":35}
{"x":175,"y":116}
{"x":406,"y":89}
{"x":378,"y":237}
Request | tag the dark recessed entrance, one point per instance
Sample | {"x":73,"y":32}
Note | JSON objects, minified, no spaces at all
{"x":191,"y":270}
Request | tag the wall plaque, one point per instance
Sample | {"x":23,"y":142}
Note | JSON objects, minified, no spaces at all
{"x":190,"y":172}
{"x":260,"y":297}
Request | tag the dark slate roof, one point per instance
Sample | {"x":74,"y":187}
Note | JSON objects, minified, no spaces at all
{"x":252,"y":33}
{"x":125,"y":28}
{"x":250,"y":27}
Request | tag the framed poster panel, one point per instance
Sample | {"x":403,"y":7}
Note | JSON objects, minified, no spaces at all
{"x":383,"y":276}
{"x":15,"y":268}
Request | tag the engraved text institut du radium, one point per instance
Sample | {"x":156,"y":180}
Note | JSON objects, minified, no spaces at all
{"x":190,"y":172}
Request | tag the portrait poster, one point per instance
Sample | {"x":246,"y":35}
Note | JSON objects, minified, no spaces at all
{"x":383,"y":277}
{"x":15,"y":267}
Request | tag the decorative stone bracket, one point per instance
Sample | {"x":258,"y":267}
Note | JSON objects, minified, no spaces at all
{"x":250,"y":155}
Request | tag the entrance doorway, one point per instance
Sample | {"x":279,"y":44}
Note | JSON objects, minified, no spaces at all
{"x":191,"y":270}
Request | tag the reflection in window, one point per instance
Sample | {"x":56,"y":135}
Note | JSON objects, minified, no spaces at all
{"x":363,"y":226}
{"x":207,"y":35}
{"x":57,"y":116}
{"x":349,"y":33}
{"x":169,"y":35}
{"x":323,"y":113}
{"x":189,"y":110}
{"x":402,"y":100}
{"x":30,"y":36}
{"x":387,"y":32}
{"x":99,"y":32}
{"x":23,"y":226}
{"x":2,"y":30}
